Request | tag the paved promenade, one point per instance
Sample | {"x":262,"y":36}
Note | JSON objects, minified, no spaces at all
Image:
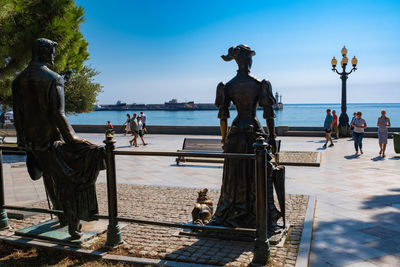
{"x":358,"y":197}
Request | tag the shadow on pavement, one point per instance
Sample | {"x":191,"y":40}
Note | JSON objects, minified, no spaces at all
{"x":382,"y":201}
{"x":212,"y":251}
{"x":378,"y":158}
{"x":395,"y":158}
{"x":318,"y":142}
{"x":124,"y":147}
{"x":354,"y":156}
{"x":343,"y":241}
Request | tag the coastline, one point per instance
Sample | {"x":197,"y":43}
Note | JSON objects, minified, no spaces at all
{"x":215,"y":130}
{"x":291,"y":115}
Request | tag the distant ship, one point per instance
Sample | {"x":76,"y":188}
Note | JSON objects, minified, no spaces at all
{"x":173,"y":104}
{"x":278,"y":101}
{"x":170,"y":105}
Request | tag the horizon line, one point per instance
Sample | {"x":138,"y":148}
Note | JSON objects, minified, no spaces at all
{"x":326,"y":103}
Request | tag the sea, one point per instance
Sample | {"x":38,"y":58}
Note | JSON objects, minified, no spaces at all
{"x":291,"y":115}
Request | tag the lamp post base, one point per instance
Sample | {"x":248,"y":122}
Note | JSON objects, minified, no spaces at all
{"x":344,"y":125}
{"x":344,"y":131}
{"x":261,"y":252}
{"x":114,"y":237}
{"x":3,"y":220}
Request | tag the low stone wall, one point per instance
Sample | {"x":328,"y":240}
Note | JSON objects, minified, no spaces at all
{"x":153,"y":129}
{"x":214,"y":130}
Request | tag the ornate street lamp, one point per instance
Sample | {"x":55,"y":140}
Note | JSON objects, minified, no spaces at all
{"x":343,"y":118}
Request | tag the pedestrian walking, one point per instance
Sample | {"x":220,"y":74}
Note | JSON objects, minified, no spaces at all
{"x":127,"y":124}
{"x":351,"y":125}
{"x":383,"y":124}
{"x":328,"y":127}
{"x":144,"y":117}
{"x":134,"y":129}
{"x":335,"y":124}
{"x":359,"y":125}
{"x":141,"y":134}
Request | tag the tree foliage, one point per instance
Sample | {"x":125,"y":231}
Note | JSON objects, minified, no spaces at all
{"x":81,"y":91}
{"x":23,"y":21}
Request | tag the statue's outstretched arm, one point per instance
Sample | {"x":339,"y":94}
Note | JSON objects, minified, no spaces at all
{"x":222,"y":103}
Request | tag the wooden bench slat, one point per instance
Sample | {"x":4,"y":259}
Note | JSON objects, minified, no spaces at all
{"x":7,"y":133}
{"x":203,"y":145}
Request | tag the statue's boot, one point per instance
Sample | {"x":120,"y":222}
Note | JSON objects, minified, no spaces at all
{"x":74,"y":228}
{"x":75,"y":232}
{"x":62,"y":220}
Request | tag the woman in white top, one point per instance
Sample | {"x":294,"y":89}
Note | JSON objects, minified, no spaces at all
{"x":141,"y":134}
{"x":383,"y":124}
{"x":359,"y":125}
{"x":127,"y":123}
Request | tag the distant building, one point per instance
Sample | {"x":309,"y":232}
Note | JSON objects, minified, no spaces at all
{"x":278,"y":101}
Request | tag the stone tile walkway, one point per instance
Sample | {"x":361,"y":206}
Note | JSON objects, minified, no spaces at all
{"x":357,"y":210}
{"x":355,"y":223}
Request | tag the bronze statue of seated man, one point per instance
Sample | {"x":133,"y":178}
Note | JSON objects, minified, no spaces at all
{"x":69,"y":165}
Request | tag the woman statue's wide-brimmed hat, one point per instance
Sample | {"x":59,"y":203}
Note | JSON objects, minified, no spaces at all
{"x":236,"y":51}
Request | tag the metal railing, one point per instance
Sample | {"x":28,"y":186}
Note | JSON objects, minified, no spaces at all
{"x":114,"y":235}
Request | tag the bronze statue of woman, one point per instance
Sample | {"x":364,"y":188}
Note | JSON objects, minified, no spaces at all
{"x":236,"y":205}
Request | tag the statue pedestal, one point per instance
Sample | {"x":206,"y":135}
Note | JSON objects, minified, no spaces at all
{"x":274,"y":240}
{"x":52,"y":231}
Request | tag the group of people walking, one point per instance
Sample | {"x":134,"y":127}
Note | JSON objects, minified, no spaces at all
{"x":137,"y":126}
{"x":357,"y":125}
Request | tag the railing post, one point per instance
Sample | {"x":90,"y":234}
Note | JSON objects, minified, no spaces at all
{"x":114,"y":237}
{"x":3,"y":214}
{"x":261,"y":249}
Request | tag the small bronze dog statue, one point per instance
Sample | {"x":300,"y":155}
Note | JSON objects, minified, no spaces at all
{"x":203,"y":209}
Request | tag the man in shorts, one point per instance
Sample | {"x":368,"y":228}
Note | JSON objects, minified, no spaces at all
{"x":328,"y":128}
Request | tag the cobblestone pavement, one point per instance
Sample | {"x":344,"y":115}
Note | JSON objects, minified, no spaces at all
{"x":358,"y":197}
{"x":175,"y":205}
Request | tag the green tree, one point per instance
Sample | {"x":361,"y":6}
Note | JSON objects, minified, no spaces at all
{"x":81,"y":91}
{"x":23,"y":21}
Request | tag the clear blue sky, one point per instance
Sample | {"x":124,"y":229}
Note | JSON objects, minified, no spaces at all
{"x":152,"y":51}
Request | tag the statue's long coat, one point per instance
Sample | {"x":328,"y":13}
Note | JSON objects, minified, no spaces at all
{"x":69,"y":169}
